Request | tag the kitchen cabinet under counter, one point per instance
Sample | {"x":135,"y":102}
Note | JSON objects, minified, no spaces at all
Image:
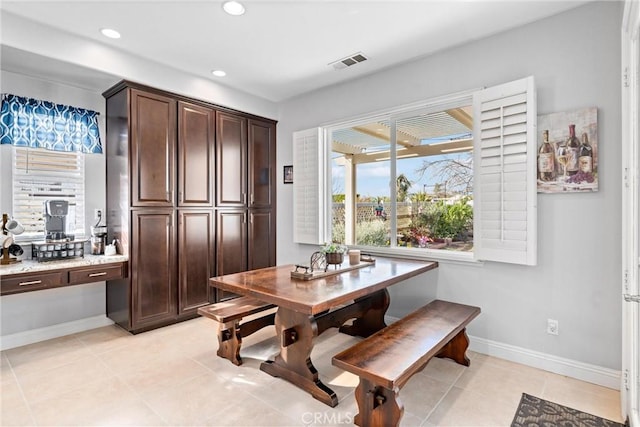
{"x":30,"y":275}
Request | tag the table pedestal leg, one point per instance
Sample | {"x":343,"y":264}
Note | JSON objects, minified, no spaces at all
{"x":373,"y":319}
{"x":296,"y":332}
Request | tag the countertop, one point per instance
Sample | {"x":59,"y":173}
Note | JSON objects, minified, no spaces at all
{"x":29,"y":266}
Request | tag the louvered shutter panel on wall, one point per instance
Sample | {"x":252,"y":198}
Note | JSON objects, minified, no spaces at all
{"x":308,"y":187}
{"x":40,"y":175}
{"x":505,"y":198}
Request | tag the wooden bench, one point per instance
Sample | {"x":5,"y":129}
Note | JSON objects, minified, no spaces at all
{"x":386,"y":360}
{"x":229,"y":314}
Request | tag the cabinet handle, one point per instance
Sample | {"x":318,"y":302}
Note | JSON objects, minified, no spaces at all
{"x":102,"y":273}
{"x":33,"y":282}
{"x":253,"y":199}
{"x":180,"y":196}
{"x":244,"y":198}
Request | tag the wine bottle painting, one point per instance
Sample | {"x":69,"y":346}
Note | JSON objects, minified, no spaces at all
{"x":568,"y":151}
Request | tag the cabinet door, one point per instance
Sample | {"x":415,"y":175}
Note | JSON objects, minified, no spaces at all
{"x":195,"y":266}
{"x":262,"y":163}
{"x":153,"y":272}
{"x":153,"y":146}
{"x":196,"y":138}
{"x":262,"y":239}
{"x":231,"y":160}
{"x":231,"y":244}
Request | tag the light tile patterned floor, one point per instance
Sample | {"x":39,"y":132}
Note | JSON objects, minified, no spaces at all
{"x":172,"y":376}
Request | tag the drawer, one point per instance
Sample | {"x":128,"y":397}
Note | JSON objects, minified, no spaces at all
{"x":95,"y":273}
{"x":32,"y":282}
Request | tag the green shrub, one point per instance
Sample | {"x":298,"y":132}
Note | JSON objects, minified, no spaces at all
{"x":372,"y":233}
{"x":446,"y":220}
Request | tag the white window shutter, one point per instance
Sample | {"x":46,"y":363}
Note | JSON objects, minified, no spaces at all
{"x":505,"y":197}
{"x":308,"y":187}
{"x":40,"y":175}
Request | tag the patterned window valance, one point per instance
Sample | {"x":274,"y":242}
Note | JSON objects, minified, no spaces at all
{"x":28,"y":122}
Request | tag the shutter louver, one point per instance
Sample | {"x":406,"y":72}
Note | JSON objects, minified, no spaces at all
{"x":40,"y":175}
{"x":308,"y":187}
{"x":505,"y":173}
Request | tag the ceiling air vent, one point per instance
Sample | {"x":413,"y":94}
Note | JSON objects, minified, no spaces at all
{"x":348,"y":61}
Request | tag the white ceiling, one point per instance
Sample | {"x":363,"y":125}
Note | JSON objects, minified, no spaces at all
{"x":278,"y":49}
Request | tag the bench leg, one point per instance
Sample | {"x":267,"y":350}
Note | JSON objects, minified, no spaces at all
{"x":229,"y":342}
{"x":456,"y":349}
{"x":377,"y":406}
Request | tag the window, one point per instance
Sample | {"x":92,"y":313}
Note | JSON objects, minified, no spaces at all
{"x":451,"y":178}
{"x":40,"y":175}
{"x":48,"y":162}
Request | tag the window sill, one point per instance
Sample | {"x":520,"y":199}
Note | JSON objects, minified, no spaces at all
{"x":426,"y":254}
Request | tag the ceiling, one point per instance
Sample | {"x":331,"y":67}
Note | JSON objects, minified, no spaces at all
{"x":277,"y":49}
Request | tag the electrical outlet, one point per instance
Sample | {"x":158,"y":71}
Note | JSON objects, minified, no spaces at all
{"x":552,"y":327}
{"x":97,"y":214}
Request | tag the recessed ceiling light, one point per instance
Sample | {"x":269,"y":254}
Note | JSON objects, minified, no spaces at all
{"x":233,"y":8}
{"x":108,"y":32}
{"x":218,"y":73}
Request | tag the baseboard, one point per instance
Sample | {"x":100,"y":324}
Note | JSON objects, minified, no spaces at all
{"x":571,"y":368}
{"x":53,"y":331}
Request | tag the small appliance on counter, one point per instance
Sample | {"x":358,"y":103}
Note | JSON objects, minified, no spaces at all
{"x":55,"y":221}
{"x":57,"y":244}
{"x":98,"y":238}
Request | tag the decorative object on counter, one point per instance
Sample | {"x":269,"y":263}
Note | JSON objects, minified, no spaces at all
{"x":333,"y":253}
{"x":568,"y":151}
{"x":317,"y":269}
{"x":51,"y":251}
{"x":354,"y":256}
{"x":10,"y":227}
{"x":111,"y":250}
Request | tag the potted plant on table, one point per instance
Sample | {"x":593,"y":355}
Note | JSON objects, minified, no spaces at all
{"x":333,"y":252}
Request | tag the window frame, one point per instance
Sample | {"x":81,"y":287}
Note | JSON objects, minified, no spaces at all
{"x":78,"y":175}
{"x":519,"y":250}
{"x":427,"y":107}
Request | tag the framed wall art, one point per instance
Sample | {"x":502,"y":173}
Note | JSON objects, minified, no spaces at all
{"x":288,"y":174}
{"x":568,"y":151}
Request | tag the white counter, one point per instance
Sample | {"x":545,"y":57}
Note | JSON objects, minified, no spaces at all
{"x":28,"y":265}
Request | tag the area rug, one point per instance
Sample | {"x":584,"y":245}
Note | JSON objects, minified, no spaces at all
{"x":535,"y":412}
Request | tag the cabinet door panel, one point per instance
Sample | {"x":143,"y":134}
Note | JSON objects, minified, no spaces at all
{"x":195,"y":154}
{"x":231,"y":160}
{"x":153,"y":142}
{"x":262,"y":240}
{"x":196,"y":263}
{"x":153,"y":255}
{"x":262,"y":163}
{"x":231,"y":244}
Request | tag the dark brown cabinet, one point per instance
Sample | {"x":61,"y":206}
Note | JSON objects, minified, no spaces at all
{"x":231,"y":160}
{"x":196,"y":126}
{"x":196,"y":258}
{"x":261,"y":159}
{"x":245,"y":234}
{"x":153,"y":281}
{"x":231,"y":245}
{"x":190,"y":195}
{"x":153,"y":148}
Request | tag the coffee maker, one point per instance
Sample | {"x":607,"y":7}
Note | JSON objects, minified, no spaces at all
{"x":55,"y":221}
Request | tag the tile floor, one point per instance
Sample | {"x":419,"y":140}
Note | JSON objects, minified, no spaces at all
{"x":172,"y":376}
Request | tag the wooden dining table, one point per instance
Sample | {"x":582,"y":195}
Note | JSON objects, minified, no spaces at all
{"x":307,"y":308}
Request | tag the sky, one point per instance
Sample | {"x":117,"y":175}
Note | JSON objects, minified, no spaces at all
{"x":373,"y":178}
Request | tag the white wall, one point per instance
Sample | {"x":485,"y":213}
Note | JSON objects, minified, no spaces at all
{"x":33,"y":310}
{"x":575,"y":58}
